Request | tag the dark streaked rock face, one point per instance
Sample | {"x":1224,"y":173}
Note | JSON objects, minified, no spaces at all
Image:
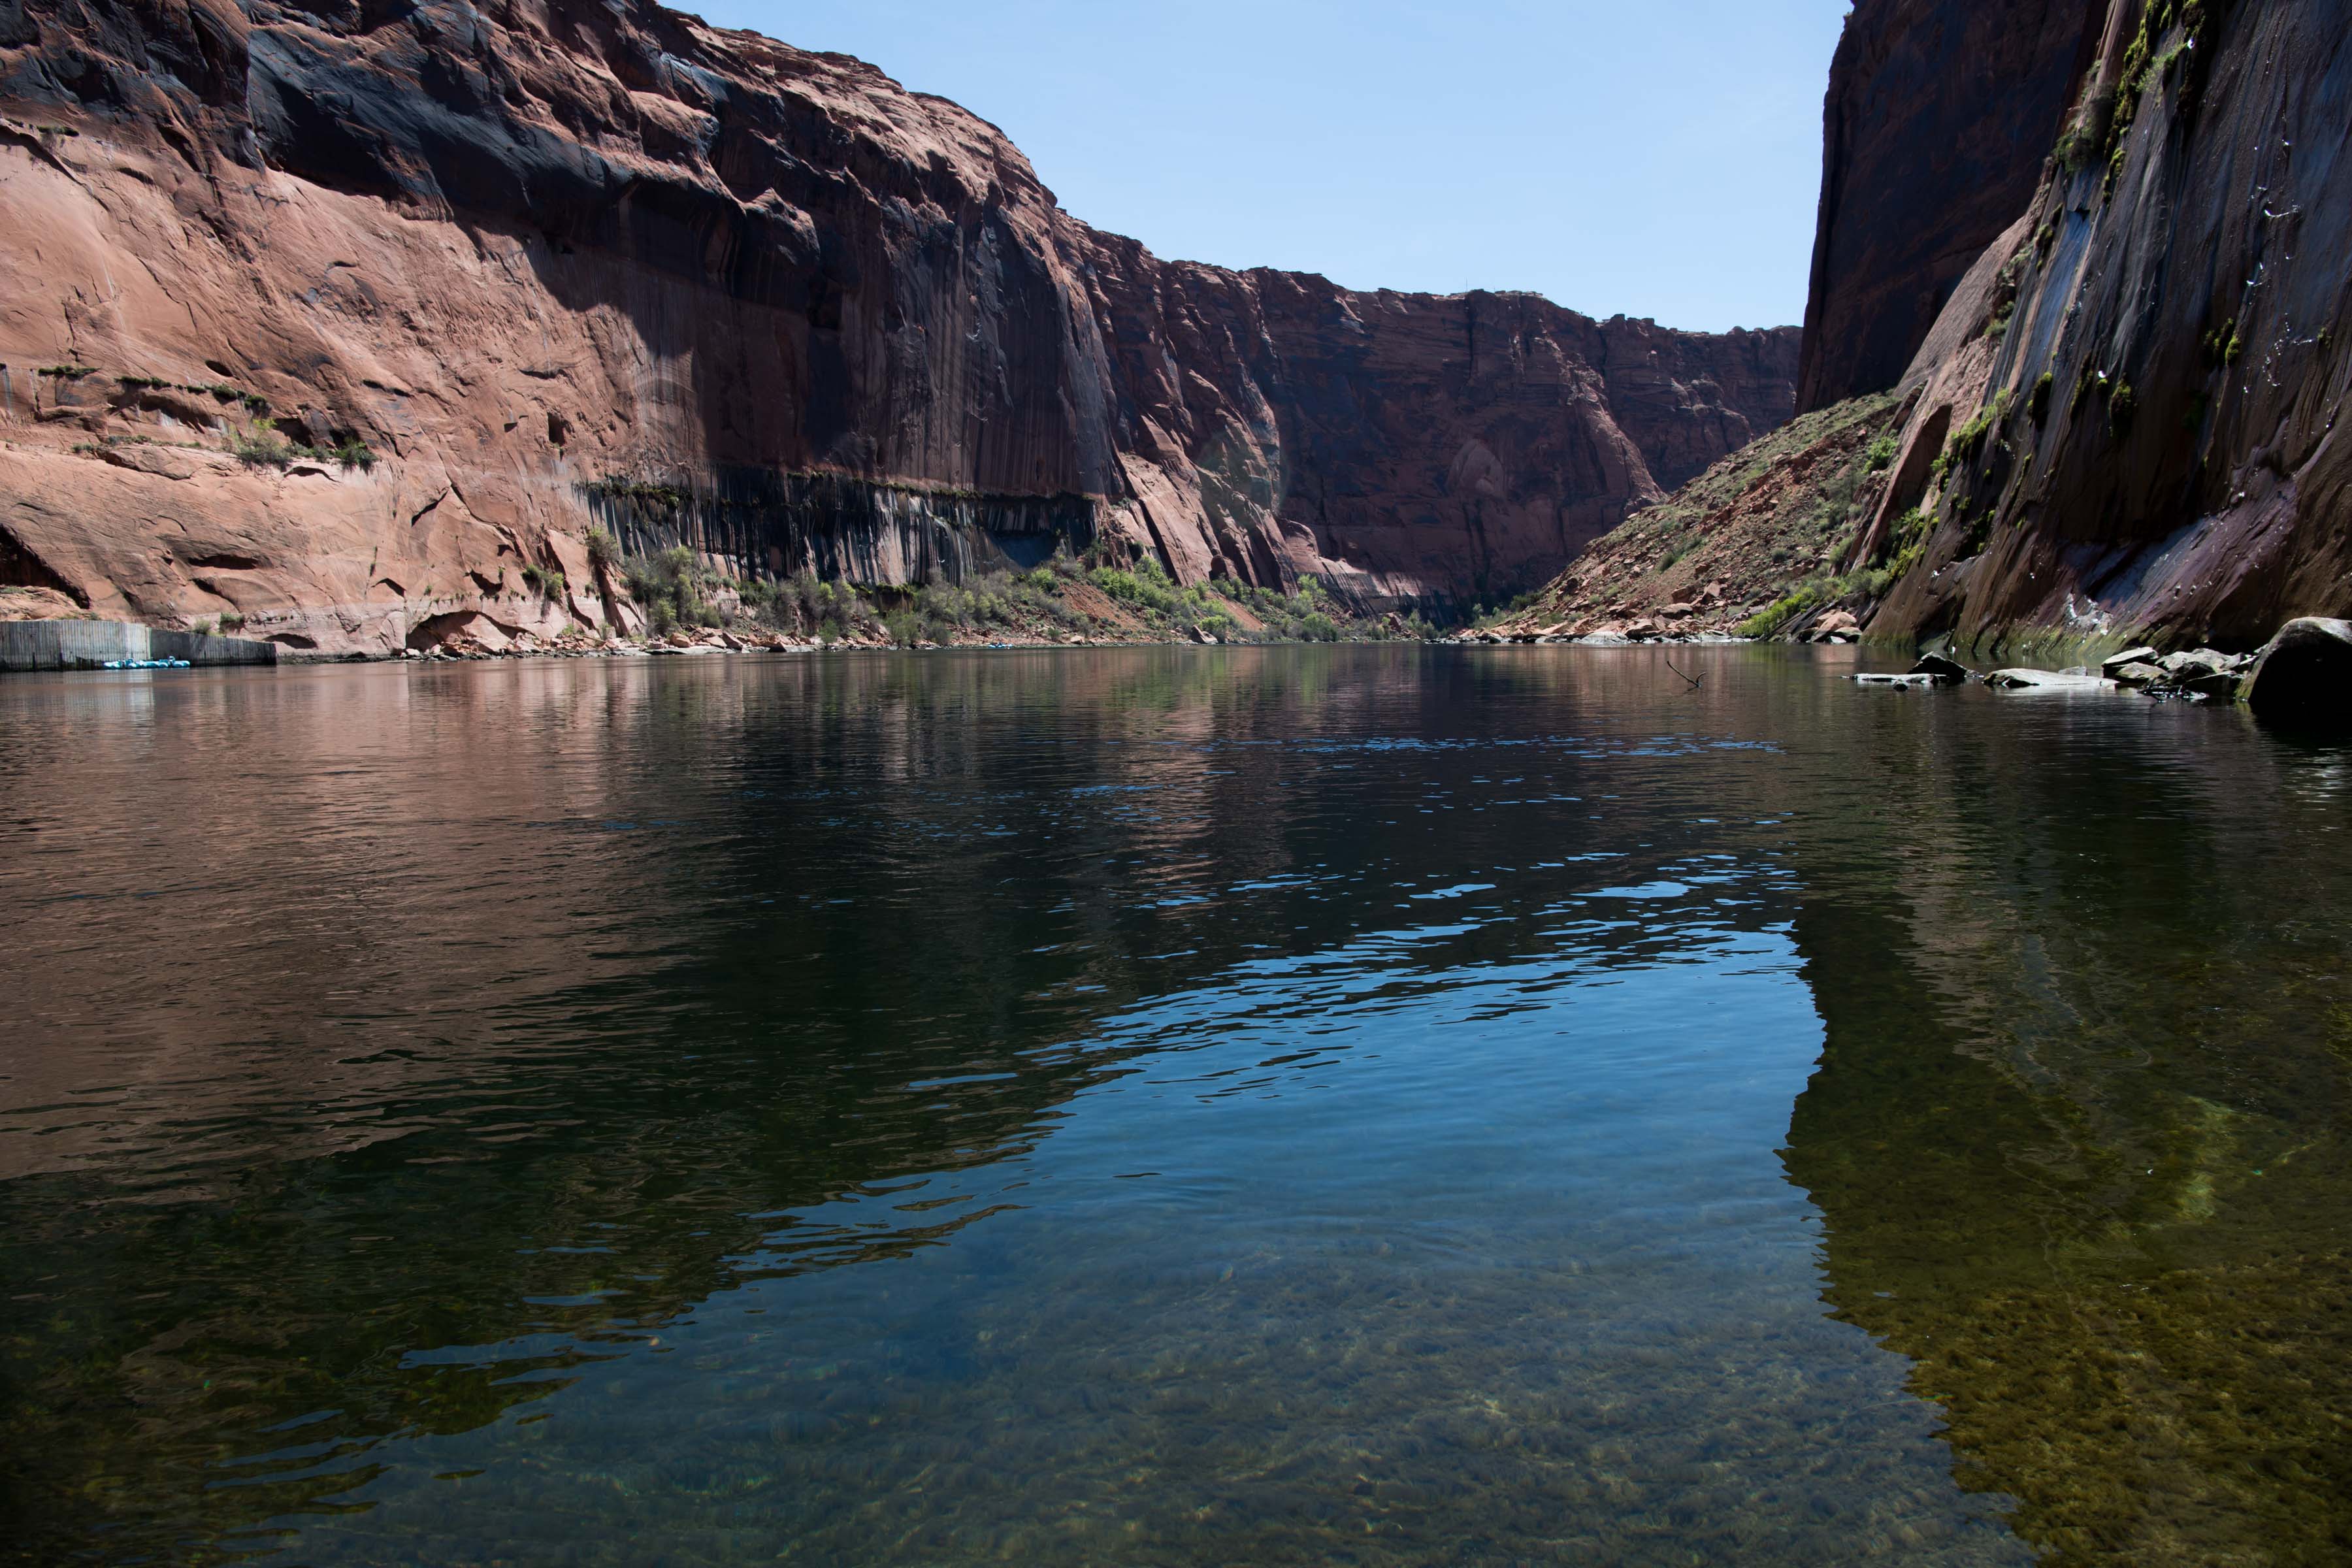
{"x":527,"y":249}
{"x":2143,"y":406}
{"x":1940,"y":116}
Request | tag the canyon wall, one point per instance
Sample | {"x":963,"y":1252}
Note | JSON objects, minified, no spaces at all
{"x":1938,"y":117}
{"x":502,"y":273}
{"x":2126,"y":426}
{"x":2119,"y":425}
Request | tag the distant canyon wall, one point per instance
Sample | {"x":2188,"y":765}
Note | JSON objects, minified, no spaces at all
{"x":561,"y":263}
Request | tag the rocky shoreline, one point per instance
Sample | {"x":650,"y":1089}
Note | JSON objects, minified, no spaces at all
{"x":2301,"y":675}
{"x":707,"y":642}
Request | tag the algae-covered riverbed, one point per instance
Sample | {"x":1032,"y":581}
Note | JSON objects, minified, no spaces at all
{"x":1379,"y":1105}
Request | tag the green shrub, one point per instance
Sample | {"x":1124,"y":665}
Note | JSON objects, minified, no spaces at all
{"x":2079,"y":142}
{"x":1881,"y":455}
{"x":2223,"y":345}
{"x":603,"y":550}
{"x":2089,"y":381}
{"x":2037,"y":405}
{"x":1911,"y":529}
{"x":1779,"y":613}
{"x":2123,"y":407}
{"x":674,"y":583}
{"x":261,"y":447}
{"x":807,"y":607}
{"x":547,"y":583}
{"x":1147,"y":587}
{"x":616,"y":487}
{"x":355,"y":453}
{"x":1966,"y":442}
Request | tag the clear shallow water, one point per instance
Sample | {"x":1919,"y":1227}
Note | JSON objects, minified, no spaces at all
{"x":1161,"y":1106}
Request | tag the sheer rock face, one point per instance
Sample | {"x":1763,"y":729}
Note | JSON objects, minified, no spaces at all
{"x":2141,"y":421}
{"x":537,"y":253}
{"x":1940,"y":116}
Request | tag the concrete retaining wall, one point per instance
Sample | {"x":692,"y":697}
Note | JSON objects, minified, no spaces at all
{"x":90,"y":644}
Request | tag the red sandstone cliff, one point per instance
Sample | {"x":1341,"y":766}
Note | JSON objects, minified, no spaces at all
{"x":2120,"y":426}
{"x":1938,"y":116}
{"x":2127,"y":421}
{"x":559,"y":263}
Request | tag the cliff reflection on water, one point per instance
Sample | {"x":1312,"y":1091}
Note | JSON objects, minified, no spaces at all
{"x":1169,"y":1106}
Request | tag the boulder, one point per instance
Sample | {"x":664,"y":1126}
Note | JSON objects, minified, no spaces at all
{"x":2304,"y":676}
{"x":1915,"y":681}
{"x":1942,"y":670}
{"x":2142,"y":655}
{"x":2202,"y":661}
{"x":2135,"y":673}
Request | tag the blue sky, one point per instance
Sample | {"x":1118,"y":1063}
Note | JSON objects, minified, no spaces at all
{"x":1659,"y":158}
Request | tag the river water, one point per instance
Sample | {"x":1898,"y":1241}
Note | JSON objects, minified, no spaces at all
{"x":1385,"y":1105}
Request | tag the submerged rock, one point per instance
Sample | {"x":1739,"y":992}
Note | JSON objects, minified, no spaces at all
{"x":2048,"y":680}
{"x":2304,"y":676}
{"x":2219,"y":686}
